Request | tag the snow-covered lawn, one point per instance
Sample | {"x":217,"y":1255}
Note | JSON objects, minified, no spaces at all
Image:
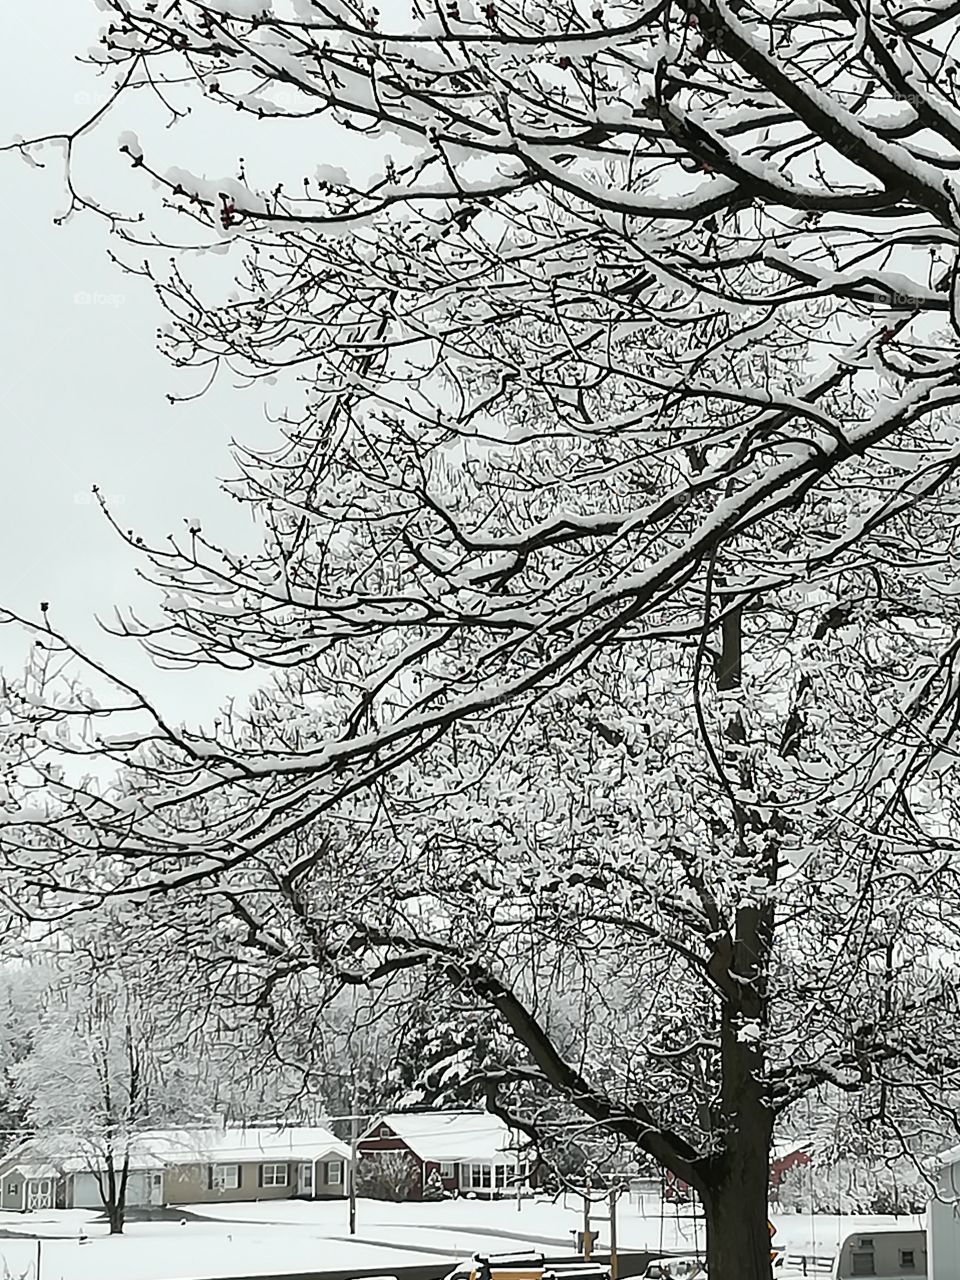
{"x":274,"y":1237}
{"x":169,"y":1250}
{"x":466,"y":1225}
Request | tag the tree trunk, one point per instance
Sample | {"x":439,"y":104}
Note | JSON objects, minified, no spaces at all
{"x":738,"y":1237}
{"x":115,"y":1217}
{"x":736,"y":1191}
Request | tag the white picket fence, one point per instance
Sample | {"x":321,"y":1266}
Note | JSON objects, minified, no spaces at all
{"x":806,"y":1264}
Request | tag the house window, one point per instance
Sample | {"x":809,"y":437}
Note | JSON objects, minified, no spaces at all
{"x":385,"y":1132}
{"x":224,"y":1177}
{"x":863,"y":1264}
{"x":478,"y":1178}
{"x":273,"y":1175}
{"x":907,"y":1260}
{"x":448,"y":1169}
{"x":500,"y":1176}
{"x":333,"y":1173}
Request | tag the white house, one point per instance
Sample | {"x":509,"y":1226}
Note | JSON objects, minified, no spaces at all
{"x":179,"y":1166}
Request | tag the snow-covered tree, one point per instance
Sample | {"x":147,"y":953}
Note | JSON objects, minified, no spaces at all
{"x":433,"y":1188}
{"x":608,"y":571}
{"x":387,"y":1175}
{"x":92,"y":1078}
{"x":84,"y":1085}
{"x":23,"y":986}
{"x":125,"y":1037}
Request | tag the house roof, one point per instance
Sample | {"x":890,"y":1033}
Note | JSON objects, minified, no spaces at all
{"x":451,"y":1136}
{"x":789,"y":1147}
{"x":235,"y":1145}
{"x":28,"y":1170}
{"x":156,"y":1148}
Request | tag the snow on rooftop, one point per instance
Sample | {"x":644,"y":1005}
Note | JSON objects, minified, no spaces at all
{"x":945,"y":1158}
{"x":178,"y":1146}
{"x":452,"y":1136}
{"x":26,"y":1169}
{"x":155,"y":1148}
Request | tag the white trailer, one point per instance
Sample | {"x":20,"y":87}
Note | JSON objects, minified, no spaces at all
{"x":885,"y":1254}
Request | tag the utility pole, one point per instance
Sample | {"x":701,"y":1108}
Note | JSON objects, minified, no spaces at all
{"x":353,"y":1166}
{"x":354,"y":1135}
{"x":613,"y":1234}
{"x":587,"y":1238}
{"x":357,"y":1047}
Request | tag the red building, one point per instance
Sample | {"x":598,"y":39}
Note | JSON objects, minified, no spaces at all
{"x":783,"y":1157}
{"x":471,"y":1151}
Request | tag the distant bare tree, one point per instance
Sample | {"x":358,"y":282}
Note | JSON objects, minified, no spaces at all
{"x":89,"y":1083}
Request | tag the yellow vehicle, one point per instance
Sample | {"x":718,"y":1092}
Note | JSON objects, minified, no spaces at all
{"x":524,"y":1266}
{"x":504,"y":1266}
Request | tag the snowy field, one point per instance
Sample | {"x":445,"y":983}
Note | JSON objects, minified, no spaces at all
{"x":291,"y":1236}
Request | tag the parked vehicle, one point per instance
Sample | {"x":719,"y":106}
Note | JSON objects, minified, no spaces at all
{"x":885,"y":1254}
{"x":525,"y":1266}
{"x":502,"y":1266}
{"x":676,"y":1269}
{"x":688,"y":1268}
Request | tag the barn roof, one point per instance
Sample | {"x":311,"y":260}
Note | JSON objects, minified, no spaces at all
{"x":452,"y":1136}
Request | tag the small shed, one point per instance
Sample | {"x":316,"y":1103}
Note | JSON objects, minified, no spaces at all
{"x":28,"y":1186}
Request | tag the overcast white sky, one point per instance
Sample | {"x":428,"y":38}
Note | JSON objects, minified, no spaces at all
{"x":82,"y":389}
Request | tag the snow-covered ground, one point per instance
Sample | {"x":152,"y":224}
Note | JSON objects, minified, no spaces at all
{"x":169,"y":1250}
{"x":289,"y":1236}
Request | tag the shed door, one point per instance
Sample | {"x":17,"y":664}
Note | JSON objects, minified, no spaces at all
{"x":40,"y":1193}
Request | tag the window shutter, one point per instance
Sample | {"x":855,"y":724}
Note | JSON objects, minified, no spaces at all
{"x":260,"y":1175}
{"x":239,"y":1175}
{"x":209,"y":1177}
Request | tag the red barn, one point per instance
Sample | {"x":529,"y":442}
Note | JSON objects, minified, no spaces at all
{"x":783,"y":1157}
{"x":471,"y":1151}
